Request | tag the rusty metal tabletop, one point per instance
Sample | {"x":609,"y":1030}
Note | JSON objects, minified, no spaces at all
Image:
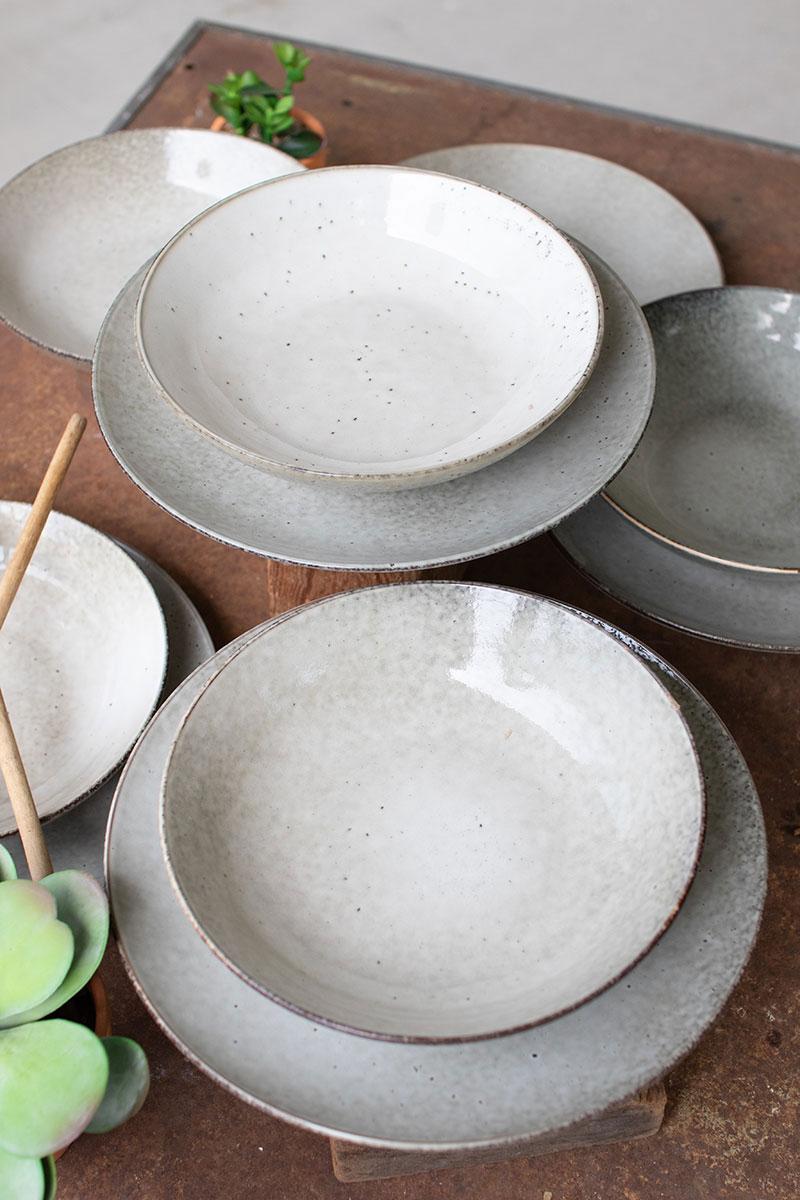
{"x":732,"y":1124}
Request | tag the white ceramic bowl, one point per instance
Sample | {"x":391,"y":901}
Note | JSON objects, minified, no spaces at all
{"x":370,"y":325}
{"x":432,"y":812}
{"x":82,"y":659}
{"x":76,"y":225}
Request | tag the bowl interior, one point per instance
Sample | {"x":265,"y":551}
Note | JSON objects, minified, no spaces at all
{"x":369,"y":321}
{"x":716,"y":471}
{"x":82,"y":658}
{"x":78,"y":223}
{"x":432,"y":811}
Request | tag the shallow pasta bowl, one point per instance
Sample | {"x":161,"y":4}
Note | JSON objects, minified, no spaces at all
{"x":432,"y":812}
{"x":372,"y":326}
{"x":716,"y":472}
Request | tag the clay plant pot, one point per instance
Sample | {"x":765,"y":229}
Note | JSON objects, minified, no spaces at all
{"x":90,"y":1008}
{"x":309,"y":121}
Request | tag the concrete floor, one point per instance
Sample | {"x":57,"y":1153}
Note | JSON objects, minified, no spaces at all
{"x":69,"y":65}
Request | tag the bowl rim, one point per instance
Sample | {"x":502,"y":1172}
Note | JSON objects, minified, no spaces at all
{"x":417,"y":1039}
{"x":697,"y":296}
{"x":420,"y":476}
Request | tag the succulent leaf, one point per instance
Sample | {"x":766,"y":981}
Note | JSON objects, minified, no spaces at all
{"x":128,"y":1085}
{"x":53,"y":1075}
{"x":22,"y":1178}
{"x":36,"y":948}
{"x":8,"y":869}
{"x":82,"y":906}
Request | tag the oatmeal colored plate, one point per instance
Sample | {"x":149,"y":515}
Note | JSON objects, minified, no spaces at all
{"x":407,"y":812}
{"x":654,"y":243}
{"x":524,"y":494}
{"x":434,"y":1097}
{"x":82,"y":658}
{"x":758,"y":609}
{"x":717,"y":472}
{"x":75,"y":225}
{"x":370,"y":326}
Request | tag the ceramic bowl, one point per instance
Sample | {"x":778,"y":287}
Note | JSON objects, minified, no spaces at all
{"x":83,"y":653}
{"x":408,"y":812}
{"x":371,"y":326}
{"x":716,"y":472}
{"x":77,"y":224}
{"x":655,"y":244}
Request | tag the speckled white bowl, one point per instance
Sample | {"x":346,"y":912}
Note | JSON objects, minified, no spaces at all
{"x":82,"y":658}
{"x":76,"y":225}
{"x":432,"y":812}
{"x":374,"y":326}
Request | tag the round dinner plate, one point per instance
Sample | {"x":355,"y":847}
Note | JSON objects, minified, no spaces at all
{"x":83,"y":653}
{"x":417,"y":328}
{"x":717,"y":472}
{"x":338,"y":528}
{"x":755,"y":609}
{"x":407,"y":813}
{"x":75,"y":225}
{"x":76,"y":838}
{"x":655,"y":244}
{"x":421,"y":1096}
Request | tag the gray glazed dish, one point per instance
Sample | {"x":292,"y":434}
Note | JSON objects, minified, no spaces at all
{"x":642,"y":231}
{"x":405,"y":813}
{"x":755,"y":609}
{"x":716,"y":472}
{"x":491,"y":1093}
{"x":338,"y":529}
{"x":77,"y":223}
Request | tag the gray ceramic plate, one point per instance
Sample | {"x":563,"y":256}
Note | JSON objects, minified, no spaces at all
{"x":758,"y":609}
{"x":82,"y":659}
{"x":480,"y":1093}
{"x":512,"y":500}
{"x":76,"y":224}
{"x":451,"y":843}
{"x":654,"y":243}
{"x":75,"y":838}
{"x":717,"y":472}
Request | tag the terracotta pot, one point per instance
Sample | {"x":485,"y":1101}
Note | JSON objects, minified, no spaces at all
{"x":90,"y":1008}
{"x":319,"y":159}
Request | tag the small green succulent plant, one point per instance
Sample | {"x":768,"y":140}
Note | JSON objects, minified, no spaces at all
{"x":57,"y":1078}
{"x":248,"y":102}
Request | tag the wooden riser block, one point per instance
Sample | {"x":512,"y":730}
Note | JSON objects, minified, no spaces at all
{"x":640,"y":1116}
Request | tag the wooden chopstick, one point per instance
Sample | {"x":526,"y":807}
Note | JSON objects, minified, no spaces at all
{"x":11,"y":764}
{"x":40,"y":511}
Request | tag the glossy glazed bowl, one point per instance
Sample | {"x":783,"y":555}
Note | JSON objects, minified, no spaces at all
{"x":432,"y":812}
{"x":716,"y":472}
{"x":371,"y":326}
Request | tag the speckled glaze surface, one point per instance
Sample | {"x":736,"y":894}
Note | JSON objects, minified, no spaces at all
{"x":475,"y":1093}
{"x":211,"y":490}
{"x":76,"y":837}
{"x":642,"y":231}
{"x":716,"y":472}
{"x":75,"y":225}
{"x":374,"y":326}
{"x":406,"y":812}
{"x":82,"y":658}
{"x":759,"y":609}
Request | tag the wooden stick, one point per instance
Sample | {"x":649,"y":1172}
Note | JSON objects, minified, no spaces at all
{"x":25,"y":814}
{"x":40,"y":511}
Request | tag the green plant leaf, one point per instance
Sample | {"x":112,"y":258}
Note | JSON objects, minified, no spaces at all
{"x":82,"y":906}
{"x":249,"y":79}
{"x":53,"y":1075}
{"x":36,"y":948}
{"x":8,"y":869}
{"x":258,"y":89}
{"x":50,"y":1177}
{"x":128,"y":1085}
{"x":301,"y":144}
{"x":22,"y":1178}
{"x":284,"y":105}
{"x":285,"y":53}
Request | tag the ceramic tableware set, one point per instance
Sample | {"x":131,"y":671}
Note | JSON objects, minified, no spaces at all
{"x":432,"y":864}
